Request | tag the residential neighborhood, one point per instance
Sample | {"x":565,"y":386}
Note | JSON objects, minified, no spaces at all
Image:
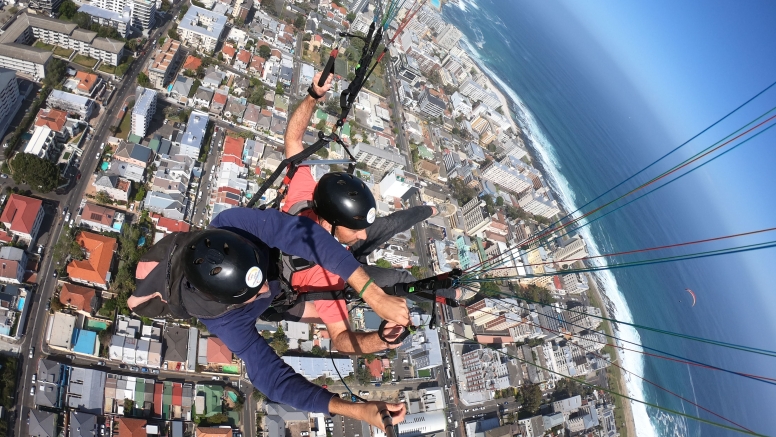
{"x":124,"y":122}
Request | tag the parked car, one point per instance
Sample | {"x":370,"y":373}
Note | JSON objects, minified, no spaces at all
{"x":122,"y":366}
{"x":101,"y":363}
{"x":55,"y":273}
{"x":215,"y":378}
{"x":32,"y":391}
{"x":70,"y":356}
{"x":155,"y":371}
{"x":144,"y":370}
{"x":32,"y":352}
{"x":134,"y":368}
{"x":34,"y":377}
{"x":40,"y":249}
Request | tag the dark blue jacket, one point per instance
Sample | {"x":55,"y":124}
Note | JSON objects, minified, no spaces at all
{"x":294,"y":235}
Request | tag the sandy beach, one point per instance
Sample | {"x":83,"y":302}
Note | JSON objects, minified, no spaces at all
{"x":630,"y":424}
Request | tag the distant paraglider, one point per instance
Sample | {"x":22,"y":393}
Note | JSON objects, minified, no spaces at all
{"x":691,"y":294}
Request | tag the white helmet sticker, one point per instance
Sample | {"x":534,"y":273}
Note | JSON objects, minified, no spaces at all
{"x":370,"y":216}
{"x":253,"y":277}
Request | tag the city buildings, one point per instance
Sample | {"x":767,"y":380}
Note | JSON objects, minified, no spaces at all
{"x":13,"y":264}
{"x":71,"y":103}
{"x":201,"y":29}
{"x":476,"y":92}
{"x":101,"y":219}
{"x":94,"y":270}
{"x":10,"y":100}
{"x":121,"y":20}
{"x":143,"y":111}
{"x":378,"y":158}
{"x":165,"y":64}
{"x":22,"y":217}
{"x":449,"y":37}
{"x":407,"y":69}
{"x":509,"y":173}
{"x":431,"y":104}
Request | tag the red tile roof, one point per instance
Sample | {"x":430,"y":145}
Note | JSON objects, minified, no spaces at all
{"x":234,"y":146}
{"x":257,"y":63}
{"x":87,"y":81}
{"x":9,"y":268}
{"x":132,"y":427}
{"x":192,"y":63}
{"x":232,"y":159}
{"x":217,"y":352}
{"x":375,"y":368}
{"x":95,"y":268}
{"x":244,"y":56}
{"x":214,"y":432}
{"x":228,"y":50}
{"x":98,"y":214}
{"x":219,"y":98}
{"x":77,"y":296}
{"x":20,"y":213}
{"x":53,"y":118}
{"x":169,"y":225}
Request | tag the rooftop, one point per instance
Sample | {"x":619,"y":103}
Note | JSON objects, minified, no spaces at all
{"x":20,"y":212}
{"x":204,"y":22}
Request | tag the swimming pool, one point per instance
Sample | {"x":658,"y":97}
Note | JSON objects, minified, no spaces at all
{"x":96,"y":325}
{"x":20,"y":306}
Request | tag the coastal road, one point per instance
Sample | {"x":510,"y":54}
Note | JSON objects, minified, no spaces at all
{"x":46,"y":282}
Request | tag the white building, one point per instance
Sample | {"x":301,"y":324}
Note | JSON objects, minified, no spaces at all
{"x":449,"y":37}
{"x":476,"y":92}
{"x":141,"y":12}
{"x":9,"y":99}
{"x":396,"y":183}
{"x":539,"y":202}
{"x":422,"y":424}
{"x":143,"y":111}
{"x":121,"y":21}
{"x":430,"y":104}
{"x":191,"y":142}
{"x":507,"y":174}
{"x":201,"y":29}
{"x":461,"y":104}
{"x":314,"y":367}
{"x":44,"y":144}
{"x":380,"y":159}
{"x":71,"y":103}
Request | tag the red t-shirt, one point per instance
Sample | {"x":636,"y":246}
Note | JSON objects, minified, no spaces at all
{"x":316,"y":278}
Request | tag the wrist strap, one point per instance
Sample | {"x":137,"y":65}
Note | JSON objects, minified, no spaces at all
{"x":361,"y":295}
{"x":312,"y":94}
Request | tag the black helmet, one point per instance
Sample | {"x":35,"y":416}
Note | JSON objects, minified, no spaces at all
{"x":344,"y":200}
{"x":225,"y":266}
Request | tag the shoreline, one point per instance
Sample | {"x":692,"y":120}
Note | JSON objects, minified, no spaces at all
{"x":602,"y":301}
{"x":624,"y":404}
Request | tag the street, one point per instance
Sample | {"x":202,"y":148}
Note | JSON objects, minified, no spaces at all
{"x":71,"y":200}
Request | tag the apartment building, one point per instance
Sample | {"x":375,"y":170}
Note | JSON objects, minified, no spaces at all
{"x":17,"y":54}
{"x":10,"y":100}
{"x":121,"y":21}
{"x":377,"y":158}
{"x":143,"y":111}
{"x":201,"y":29}
{"x":475,"y":91}
{"x":165,"y":64}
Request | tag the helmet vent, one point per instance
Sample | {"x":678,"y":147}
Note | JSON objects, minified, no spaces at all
{"x":359,"y":217}
{"x":199,"y":261}
{"x":258,"y":259}
{"x":353,"y":193}
{"x":193,"y":247}
{"x":226,"y":249}
{"x":215,"y":271}
{"x":207,"y":242}
{"x":341,"y":182}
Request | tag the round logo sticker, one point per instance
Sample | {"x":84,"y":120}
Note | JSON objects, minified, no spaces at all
{"x":253,"y":277}
{"x":370,"y":216}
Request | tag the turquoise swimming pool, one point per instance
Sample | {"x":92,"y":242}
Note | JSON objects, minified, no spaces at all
{"x":20,"y":306}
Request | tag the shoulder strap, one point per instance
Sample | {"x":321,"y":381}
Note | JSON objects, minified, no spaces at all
{"x":300,"y":206}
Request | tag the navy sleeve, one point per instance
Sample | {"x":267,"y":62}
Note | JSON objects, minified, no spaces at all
{"x":267,"y":372}
{"x":294,"y":235}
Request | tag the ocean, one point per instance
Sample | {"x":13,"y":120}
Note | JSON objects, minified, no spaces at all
{"x":587,"y":139}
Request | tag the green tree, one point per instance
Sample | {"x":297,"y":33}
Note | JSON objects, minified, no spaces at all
{"x":499,"y":201}
{"x":143,"y":80}
{"x":279,"y":90}
{"x":419,"y":272}
{"x":350,"y":17}
{"x":173,"y":33}
{"x":279,"y":342}
{"x":103,"y":197}
{"x":67,"y":10}
{"x":318,"y":351}
{"x":184,"y":9}
{"x":55,"y":71}
{"x":490,"y":289}
{"x":40,"y":174}
{"x":129,"y":405}
{"x":194,"y":87}
{"x":382,"y":263}
{"x":321,"y":125}
{"x":531,"y":398}
{"x":265,"y":51}
{"x":56,"y":305}
{"x":220,"y":56}
{"x":299,"y":22}
{"x":141,"y":193}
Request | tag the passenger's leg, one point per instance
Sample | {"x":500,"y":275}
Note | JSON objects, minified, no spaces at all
{"x":384,"y":228}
